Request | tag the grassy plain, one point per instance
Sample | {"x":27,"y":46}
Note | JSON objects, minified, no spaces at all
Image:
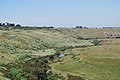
{"x":92,"y":63}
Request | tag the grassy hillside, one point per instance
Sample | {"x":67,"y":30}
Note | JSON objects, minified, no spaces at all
{"x":27,"y":41}
{"x":86,"y":62}
{"x":92,"y":63}
{"x":89,"y":33}
{"x":16,"y":43}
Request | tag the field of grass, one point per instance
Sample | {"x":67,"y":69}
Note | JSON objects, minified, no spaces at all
{"x":18,"y":42}
{"x":92,"y":63}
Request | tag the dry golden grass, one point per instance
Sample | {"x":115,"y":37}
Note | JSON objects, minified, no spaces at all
{"x":6,"y":58}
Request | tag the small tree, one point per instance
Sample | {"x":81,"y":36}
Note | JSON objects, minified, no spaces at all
{"x":3,"y":24}
{"x":12,"y":24}
{"x":18,"y":25}
{"x":0,"y":24}
{"x":96,"y":42}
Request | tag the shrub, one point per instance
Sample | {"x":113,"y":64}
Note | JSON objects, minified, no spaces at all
{"x":36,"y":70}
{"x":55,"y":77}
{"x":96,"y":42}
{"x":16,"y":73}
{"x":72,"y":77}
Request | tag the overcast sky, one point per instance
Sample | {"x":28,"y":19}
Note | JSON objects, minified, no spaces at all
{"x":61,"y":13}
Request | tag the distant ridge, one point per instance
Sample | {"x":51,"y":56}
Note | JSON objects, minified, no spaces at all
{"x":111,"y":27}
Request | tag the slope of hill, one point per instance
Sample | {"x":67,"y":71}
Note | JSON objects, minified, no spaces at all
{"x":19,"y":42}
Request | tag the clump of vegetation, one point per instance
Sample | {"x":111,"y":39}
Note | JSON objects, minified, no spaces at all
{"x":96,"y":42}
{"x":59,"y":49}
{"x":72,"y":77}
{"x":31,"y":69}
{"x":17,"y":73}
{"x":36,"y":70}
{"x":55,"y":77}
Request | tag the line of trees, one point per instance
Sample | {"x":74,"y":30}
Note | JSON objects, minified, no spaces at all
{"x":7,"y":24}
{"x":81,"y":27}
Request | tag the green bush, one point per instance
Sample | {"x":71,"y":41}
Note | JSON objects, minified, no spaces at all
{"x":96,"y":42}
{"x":16,"y":73}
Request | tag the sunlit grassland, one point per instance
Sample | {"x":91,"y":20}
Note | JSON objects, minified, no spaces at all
{"x":93,"y":63}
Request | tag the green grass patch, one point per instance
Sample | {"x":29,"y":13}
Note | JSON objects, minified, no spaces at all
{"x":94,"y":63}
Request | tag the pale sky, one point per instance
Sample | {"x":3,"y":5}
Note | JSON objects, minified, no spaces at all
{"x":61,"y":13}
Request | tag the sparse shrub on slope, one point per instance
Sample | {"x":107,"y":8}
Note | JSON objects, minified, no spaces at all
{"x":55,"y":77}
{"x":96,"y":42}
{"x":16,"y":73}
{"x":36,"y":70}
{"x":72,"y":77}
